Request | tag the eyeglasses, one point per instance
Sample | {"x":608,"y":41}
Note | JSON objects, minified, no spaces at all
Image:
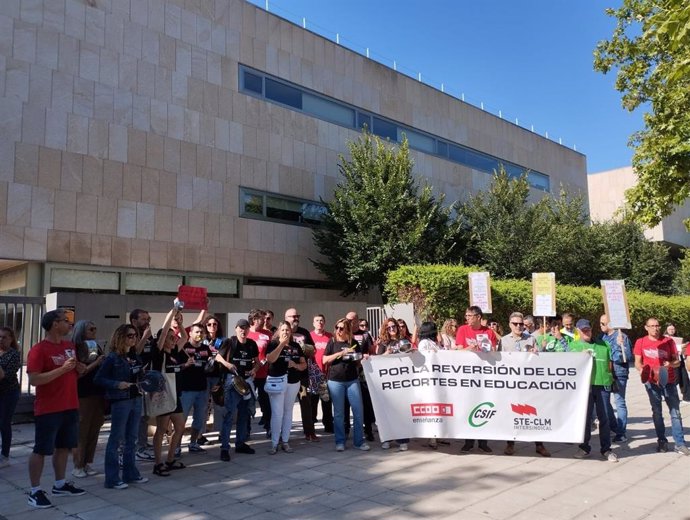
{"x":402,"y":325}
{"x":131,"y":335}
{"x":340,"y":327}
{"x":603,"y":323}
{"x":516,"y":324}
{"x":392,"y":327}
{"x":212,"y":324}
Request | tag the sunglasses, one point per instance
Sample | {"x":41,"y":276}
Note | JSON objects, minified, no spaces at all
{"x":340,"y":327}
{"x":516,"y":324}
{"x":392,"y":327}
{"x":212,"y":324}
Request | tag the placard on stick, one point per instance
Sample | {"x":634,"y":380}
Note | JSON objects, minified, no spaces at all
{"x":616,"y":304}
{"x":544,"y":294}
{"x":194,"y":298}
{"x":480,"y":291}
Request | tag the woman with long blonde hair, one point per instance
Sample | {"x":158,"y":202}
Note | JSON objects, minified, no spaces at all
{"x":342,"y":355}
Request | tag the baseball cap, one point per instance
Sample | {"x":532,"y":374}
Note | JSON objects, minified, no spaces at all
{"x":242,"y":323}
{"x":583,"y":324}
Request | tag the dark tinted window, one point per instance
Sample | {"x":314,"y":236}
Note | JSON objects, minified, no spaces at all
{"x":362,"y":120}
{"x":385,"y":129}
{"x":253,"y":83}
{"x":283,"y":94}
{"x":442,"y":149}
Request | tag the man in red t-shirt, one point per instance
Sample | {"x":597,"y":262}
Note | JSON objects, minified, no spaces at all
{"x":52,"y":368}
{"x":654,"y":356}
{"x":321,"y":336}
{"x":475,"y":336}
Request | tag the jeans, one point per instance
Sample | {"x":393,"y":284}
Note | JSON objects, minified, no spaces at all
{"x":234,"y":402}
{"x":124,"y":426}
{"x":599,"y":396}
{"x":338,"y":391}
{"x":281,"y":413}
{"x":198,"y":400}
{"x":670,"y":394}
{"x":619,"y":420}
{"x":8,"y":403}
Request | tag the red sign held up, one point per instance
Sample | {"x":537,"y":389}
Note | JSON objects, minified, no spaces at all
{"x":195,"y":298}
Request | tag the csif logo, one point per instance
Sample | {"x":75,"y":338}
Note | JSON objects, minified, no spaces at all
{"x":481,"y":414}
{"x":523,"y":409}
{"x":432,"y":409}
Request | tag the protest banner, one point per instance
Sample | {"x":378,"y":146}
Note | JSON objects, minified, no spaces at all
{"x":480,"y":395}
{"x":193,"y":297}
{"x":480,"y":291}
{"x":544,"y":294}
{"x":616,"y":304}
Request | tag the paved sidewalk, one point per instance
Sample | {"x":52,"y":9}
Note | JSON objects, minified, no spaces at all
{"x":316,"y":482}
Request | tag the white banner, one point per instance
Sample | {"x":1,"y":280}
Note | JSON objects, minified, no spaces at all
{"x":480,"y":395}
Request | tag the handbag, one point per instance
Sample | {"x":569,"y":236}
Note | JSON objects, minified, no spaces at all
{"x":218,"y":392}
{"x":164,"y":401}
{"x":275,"y":384}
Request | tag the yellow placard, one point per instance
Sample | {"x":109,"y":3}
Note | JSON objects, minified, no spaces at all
{"x":544,"y":294}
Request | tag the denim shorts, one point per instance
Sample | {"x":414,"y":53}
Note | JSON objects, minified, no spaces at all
{"x":56,"y":430}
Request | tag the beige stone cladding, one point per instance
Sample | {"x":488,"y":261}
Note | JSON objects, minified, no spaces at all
{"x":125,"y":139}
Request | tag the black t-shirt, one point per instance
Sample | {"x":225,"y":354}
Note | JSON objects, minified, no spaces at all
{"x":302,"y":337}
{"x":291,"y":351}
{"x":342,"y":369}
{"x":174,"y":363}
{"x":149,"y":348}
{"x":241,"y":355}
{"x":364,"y":340}
{"x":193,"y":378}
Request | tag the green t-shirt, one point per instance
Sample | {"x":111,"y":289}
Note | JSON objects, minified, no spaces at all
{"x":549,"y":343}
{"x":601,"y":372}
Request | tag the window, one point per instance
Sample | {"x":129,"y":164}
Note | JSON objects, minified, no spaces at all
{"x":284,"y":94}
{"x":271,"y":206}
{"x":260,"y":84}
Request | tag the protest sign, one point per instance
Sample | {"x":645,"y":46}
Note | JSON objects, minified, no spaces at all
{"x":544,"y":294}
{"x":480,"y":291}
{"x":616,"y":304}
{"x":193,"y":297}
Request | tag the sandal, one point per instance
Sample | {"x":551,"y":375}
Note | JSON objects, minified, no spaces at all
{"x":175,"y":464}
{"x":161,"y":470}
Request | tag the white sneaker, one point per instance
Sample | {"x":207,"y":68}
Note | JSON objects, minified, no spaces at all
{"x":90,"y":471}
{"x":79,"y":473}
{"x":386,"y":445}
{"x":364,"y":447}
{"x":403,"y":446}
{"x":339,"y":447}
{"x":611,"y":456}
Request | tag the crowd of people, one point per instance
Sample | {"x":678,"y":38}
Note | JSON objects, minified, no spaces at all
{"x":160,"y":376}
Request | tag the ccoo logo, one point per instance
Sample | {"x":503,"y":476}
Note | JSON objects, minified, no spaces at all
{"x":481,"y":414}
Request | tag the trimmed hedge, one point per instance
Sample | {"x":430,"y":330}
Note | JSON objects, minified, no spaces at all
{"x":442,"y":291}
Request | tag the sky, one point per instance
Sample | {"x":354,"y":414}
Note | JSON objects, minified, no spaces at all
{"x":529,"y":59}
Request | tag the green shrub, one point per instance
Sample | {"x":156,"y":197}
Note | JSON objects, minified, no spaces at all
{"x":442,"y":291}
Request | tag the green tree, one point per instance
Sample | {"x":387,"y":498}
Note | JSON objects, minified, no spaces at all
{"x":682,"y":281}
{"x":379,"y":218}
{"x":650,"y":48}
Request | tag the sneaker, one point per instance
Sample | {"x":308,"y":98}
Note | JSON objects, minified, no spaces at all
{"x":386,"y":445}
{"x":610,"y":456}
{"x":273,"y":450}
{"x":39,"y":500}
{"x":581,"y":454}
{"x":202,"y":440}
{"x":79,"y":473}
{"x":140,"y":480}
{"x":339,"y":447}
{"x":483,"y":446}
{"x":90,"y":471}
{"x":467,"y":447}
{"x":286,"y":448}
{"x":365,"y":447}
{"x":245,"y":448}
{"x":4,"y":461}
{"x":541,"y":450}
{"x":662,"y":446}
{"x":683,"y":450}
{"x":195,"y":448}
{"x":225,"y":455}
{"x":68,"y":490}
{"x":144,"y":454}
{"x":403,"y":446}
{"x":119,"y":485}
{"x":620,"y":438}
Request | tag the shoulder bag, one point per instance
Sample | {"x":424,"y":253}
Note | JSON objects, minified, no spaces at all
{"x":164,"y":401}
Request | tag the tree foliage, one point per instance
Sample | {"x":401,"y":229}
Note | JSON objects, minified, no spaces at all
{"x":380,"y":217}
{"x":650,"y":48}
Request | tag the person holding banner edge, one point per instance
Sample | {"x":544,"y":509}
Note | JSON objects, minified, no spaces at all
{"x":600,"y":391}
{"x":476,"y":337}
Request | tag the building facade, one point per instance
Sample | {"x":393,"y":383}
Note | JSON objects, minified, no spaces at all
{"x":150,"y":143}
{"x":607,"y":196}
